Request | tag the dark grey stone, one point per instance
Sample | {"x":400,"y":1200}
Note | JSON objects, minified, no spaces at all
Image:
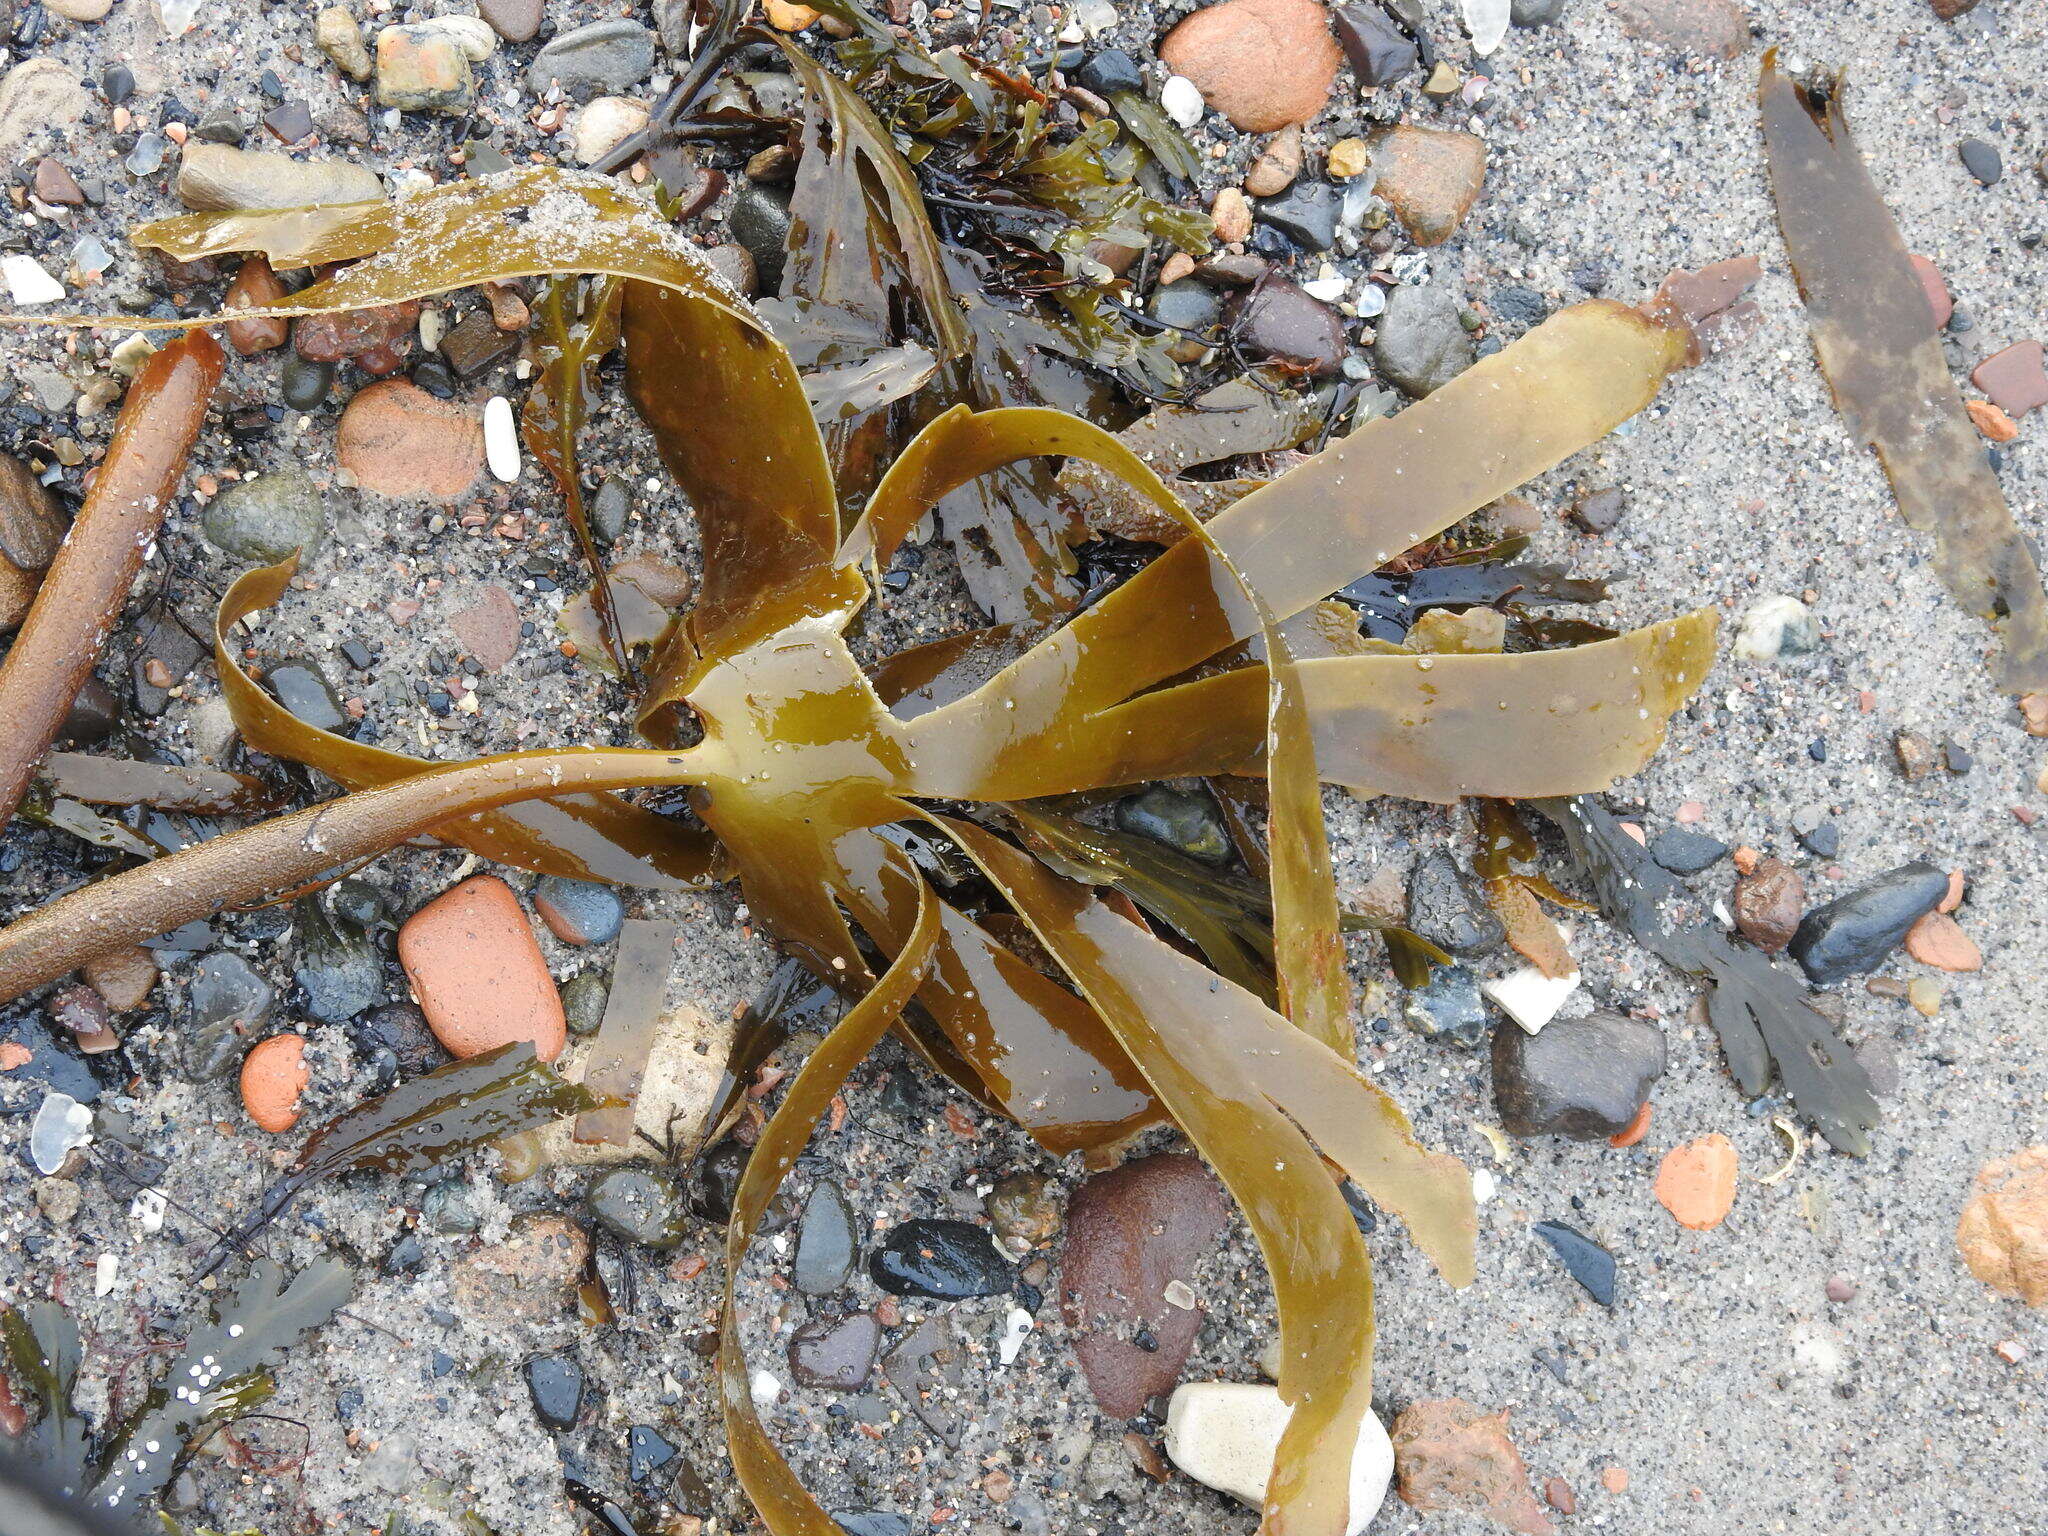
{"x":1582,"y":1078}
{"x":1446,"y":907}
{"x":1188,"y":823}
{"x":1686,"y":853}
{"x":827,"y":1242}
{"x":1854,"y":933}
{"x":604,"y":58}
{"x":1421,"y":345}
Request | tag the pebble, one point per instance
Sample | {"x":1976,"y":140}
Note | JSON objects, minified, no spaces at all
{"x":2003,"y":1233}
{"x":1131,"y":1233}
{"x":1584,"y":1260}
{"x":28,"y":283}
{"x":255,"y":287}
{"x":1109,"y":71}
{"x":583,"y":1000}
{"x":2014,"y":378}
{"x":1696,"y":1182}
{"x":336,"y":34}
{"x":1024,"y":1211}
{"x":1450,"y":1456}
{"x":125,"y":978}
{"x":1421,"y":345}
{"x":514,"y":20}
{"x":302,"y":688}
{"x":1447,"y":907}
{"x":1774,"y":628}
{"x":1599,"y":511}
{"x":263,"y":521}
{"x":501,"y":439}
{"x":531,"y":1277}
{"x":1817,"y":835}
{"x":578,"y":911}
{"x":1379,"y":51}
{"x":226,"y":1001}
{"x":488,"y":630}
{"x":421,"y":68}
{"x":1982,"y":161}
{"x":639,"y":1203}
{"x":1262,"y":63}
{"x":398,"y":440}
{"x":479,"y":973}
{"x":835,"y":1353}
{"x":1448,"y":1006}
{"x":555,"y":1383}
{"x":39,"y":95}
{"x":1278,"y":165}
{"x":1854,"y":933}
{"x":1224,"y":1434}
{"x":759,"y":221}
{"x":336,"y":966}
{"x":1686,"y":853}
{"x":274,"y":1074}
{"x":57,"y":186}
{"x":606,"y":57}
{"x":1181,"y":100}
{"x":1583,"y":1078}
{"x":80,"y":10}
{"x":939,"y":1259}
{"x":1841,"y":1288}
{"x":827,"y":1242}
{"x":1306,"y":214}
{"x":604,"y":125}
{"x":1769,"y":901}
{"x":718,"y":1181}
{"x":1276,"y":318}
{"x":1534,"y":13}
{"x":1713,"y":28}
{"x":1938,"y":940}
{"x":304,"y":383}
{"x":1430,"y":177}
{"x":213,"y":177}
{"x":1188,"y":823}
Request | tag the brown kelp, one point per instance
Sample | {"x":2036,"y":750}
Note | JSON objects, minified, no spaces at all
{"x":822,"y":797}
{"x":1878,"y":349}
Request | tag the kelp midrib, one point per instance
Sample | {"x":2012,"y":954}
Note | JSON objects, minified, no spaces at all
{"x":782,"y":580}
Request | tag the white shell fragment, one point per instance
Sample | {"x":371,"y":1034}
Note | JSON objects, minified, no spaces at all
{"x":61,"y":1124}
{"x":1224,"y":1433}
{"x":28,"y":283}
{"x":1529,"y":997}
{"x":501,"y":438}
{"x":1015,"y":1327}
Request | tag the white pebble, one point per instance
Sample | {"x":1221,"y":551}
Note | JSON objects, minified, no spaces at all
{"x":501,"y":438}
{"x":1775,"y":627}
{"x":28,"y":282}
{"x":1015,"y":1327}
{"x":103,"y":1273}
{"x":1182,"y":102}
{"x":604,"y":125}
{"x":1484,"y":1185}
{"x":1224,"y":1433}
{"x":147,"y":1209}
{"x":472,"y":34}
{"x":765,"y":1389}
{"x":1529,"y":997}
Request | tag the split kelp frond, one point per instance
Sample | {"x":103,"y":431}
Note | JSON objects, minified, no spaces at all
{"x":821,"y":795}
{"x":1878,"y":348}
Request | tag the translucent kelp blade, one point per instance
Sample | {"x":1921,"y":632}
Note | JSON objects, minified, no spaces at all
{"x":42,"y":1356}
{"x":251,"y":1325}
{"x":632,"y":1013}
{"x":1884,"y":364}
{"x":921,"y":678}
{"x":1245,"y":1086}
{"x":1762,"y":1014}
{"x":962,"y":445}
{"x":289,"y":852}
{"x":1363,"y":500}
{"x":580,"y":837}
{"x":698,"y":359}
{"x":784,"y":1506}
{"x":578,"y":326}
{"x":1424,"y":727}
{"x":1040,"y":1053}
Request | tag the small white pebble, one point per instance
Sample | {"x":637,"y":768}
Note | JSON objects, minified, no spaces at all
{"x":28,"y":282}
{"x":501,"y":438}
{"x":103,"y":1274}
{"x":1182,"y":102}
{"x":1484,"y":1185}
{"x":765,"y":1388}
{"x":1179,"y":1293}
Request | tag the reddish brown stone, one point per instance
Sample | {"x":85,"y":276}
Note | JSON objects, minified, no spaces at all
{"x":1769,"y":901}
{"x":56,"y":185}
{"x":2014,"y":378}
{"x":479,"y":973}
{"x":1449,"y":1455}
{"x":1714,"y":28}
{"x":1430,"y":177}
{"x":1939,"y":304}
{"x":124,"y":978}
{"x":273,"y":1076}
{"x":1262,"y":63}
{"x":355,"y":332}
{"x":398,"y":440}
{"x":488,"y":628}
{"x":1131,"y":1232}
{"x":256,"y":287}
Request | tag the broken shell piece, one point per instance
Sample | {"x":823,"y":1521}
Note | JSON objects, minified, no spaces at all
{"x":62,"y":1125}
{"x":1529,"y":997}
{"x":1224,"y":1433}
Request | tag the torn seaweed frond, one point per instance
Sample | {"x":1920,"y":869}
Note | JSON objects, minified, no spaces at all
{"x":1763,"y":1015}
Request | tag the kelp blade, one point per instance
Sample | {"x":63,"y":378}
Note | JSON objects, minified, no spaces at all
{"x":1251,"y":1091}
{"x":582,"y":837}
{"x":784,"y":1506}
{"x":1425,"y":727}
{"x":1884,"y":363}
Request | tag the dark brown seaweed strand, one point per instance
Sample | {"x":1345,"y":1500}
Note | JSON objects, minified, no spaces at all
{"x":87,"y":583}
{"x":291,"y":851}
{"x":1878,"y":350}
